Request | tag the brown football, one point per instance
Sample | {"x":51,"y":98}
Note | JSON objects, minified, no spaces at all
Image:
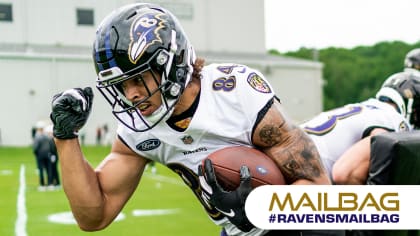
{"x":228,"y":161}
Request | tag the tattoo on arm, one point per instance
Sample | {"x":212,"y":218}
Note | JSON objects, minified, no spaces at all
{"x":270,"y":135}
{"x":292,"y":150}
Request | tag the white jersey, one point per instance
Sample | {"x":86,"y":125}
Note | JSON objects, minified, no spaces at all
{"x":230,"y":99}
{"x":337,"y":130}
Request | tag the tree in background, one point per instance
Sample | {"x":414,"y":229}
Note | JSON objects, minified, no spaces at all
{"x":353,"y":75}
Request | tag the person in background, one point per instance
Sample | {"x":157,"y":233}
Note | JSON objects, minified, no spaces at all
{"x":42,"y":150}
{"x":173,"y":109}
{"x":107,"y":135}
{"x":55,"y":182}
{"x":152,"y":166}
{"x":99,"y":135}
{"x":82,"y":135}
{"x":34,"y":129}
{"x":343,"y":135}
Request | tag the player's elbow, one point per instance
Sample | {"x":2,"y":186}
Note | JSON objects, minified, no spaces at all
{"x":91,"y":228}
{"x":343,"y":176}
{"x":340,"y":175}
{"x":87,"y":228}
{"x":339,"y":178}
{"x":91,"y":225}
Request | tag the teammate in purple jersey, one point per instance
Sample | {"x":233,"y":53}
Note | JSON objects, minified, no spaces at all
{"x":343,"y":135}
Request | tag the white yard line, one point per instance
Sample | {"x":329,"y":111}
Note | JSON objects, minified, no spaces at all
{"x":165,"y":179}
{"x":20,"y":225}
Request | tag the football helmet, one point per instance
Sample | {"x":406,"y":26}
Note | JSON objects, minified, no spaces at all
{"x":412,"y":59}
{"x":132,"y":40}
{"x":403,"y":89}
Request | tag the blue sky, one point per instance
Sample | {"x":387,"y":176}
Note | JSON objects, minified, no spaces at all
{"x":291,"y":24}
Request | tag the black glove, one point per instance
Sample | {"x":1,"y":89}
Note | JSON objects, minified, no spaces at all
{"x":70,"y":111}
{"x":231,"y":204}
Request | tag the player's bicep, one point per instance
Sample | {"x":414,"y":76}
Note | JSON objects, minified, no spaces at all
{"x":119,"y":174}
{"x":292,"y":150}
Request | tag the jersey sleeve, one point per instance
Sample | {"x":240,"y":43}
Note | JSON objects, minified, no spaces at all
{"x":239,"y":93}
{"x":254,"y":92}
{"x":391,"y":121}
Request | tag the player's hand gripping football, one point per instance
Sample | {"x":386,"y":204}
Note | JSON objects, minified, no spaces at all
{"x":231,"y":204}
{"x":70,"y":111}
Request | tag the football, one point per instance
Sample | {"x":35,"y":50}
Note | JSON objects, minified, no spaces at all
{"x":228,"y":161}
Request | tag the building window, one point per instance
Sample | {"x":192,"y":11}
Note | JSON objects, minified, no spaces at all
{"x":6,"y":12}
{"x":85,"y":17}
{"x":183,"y":11}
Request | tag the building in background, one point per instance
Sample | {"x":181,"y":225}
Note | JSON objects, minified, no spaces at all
{"x":45,"y":47}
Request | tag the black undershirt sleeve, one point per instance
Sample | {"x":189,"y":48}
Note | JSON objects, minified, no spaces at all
{"x":262,"y":113}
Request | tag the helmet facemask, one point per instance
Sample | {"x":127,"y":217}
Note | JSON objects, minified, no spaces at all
{"x":110,"y":82}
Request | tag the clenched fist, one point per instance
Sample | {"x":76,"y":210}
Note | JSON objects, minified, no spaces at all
{"x":70,"y":111}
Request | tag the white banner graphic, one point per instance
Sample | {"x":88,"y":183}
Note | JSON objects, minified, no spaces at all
{"x":334,"y":207}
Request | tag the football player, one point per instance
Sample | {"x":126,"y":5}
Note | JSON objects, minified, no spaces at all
{"x":412,"y":61}
{"x":173,"y":109}
{"x":343,"y":135}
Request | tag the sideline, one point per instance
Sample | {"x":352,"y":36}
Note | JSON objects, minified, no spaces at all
{"x":22,"y":217}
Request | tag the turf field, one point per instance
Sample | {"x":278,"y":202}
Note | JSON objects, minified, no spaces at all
{"x":162,"y":205}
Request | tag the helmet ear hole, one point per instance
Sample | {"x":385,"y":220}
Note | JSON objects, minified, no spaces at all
{"x":160,"y":60}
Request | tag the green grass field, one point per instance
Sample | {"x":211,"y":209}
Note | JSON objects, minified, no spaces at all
{"x":162,"y":191}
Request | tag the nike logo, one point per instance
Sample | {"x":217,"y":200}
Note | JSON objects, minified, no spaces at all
{"x":228,"y":214}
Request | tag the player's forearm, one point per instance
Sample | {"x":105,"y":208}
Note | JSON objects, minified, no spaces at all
{"x":297,"y":157}
{"x":311,"y":167}
{"x":80,"y":184}
{"x":294,"y":152}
